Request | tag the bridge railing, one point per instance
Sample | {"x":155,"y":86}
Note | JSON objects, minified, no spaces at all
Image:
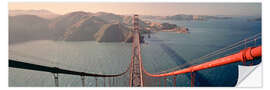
{"x":120,"y":79}
{"x":163,"y":78}
{"x":243,"y":47}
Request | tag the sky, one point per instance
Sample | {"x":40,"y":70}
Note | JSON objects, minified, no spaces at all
{"x":159,"y":9}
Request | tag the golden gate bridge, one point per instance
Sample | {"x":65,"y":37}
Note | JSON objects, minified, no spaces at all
{"x":139,"y":77}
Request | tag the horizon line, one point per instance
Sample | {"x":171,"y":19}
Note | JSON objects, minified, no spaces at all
{"x":124,"y":14}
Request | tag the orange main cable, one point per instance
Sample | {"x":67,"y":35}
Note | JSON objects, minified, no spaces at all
{"x":245,"y":54}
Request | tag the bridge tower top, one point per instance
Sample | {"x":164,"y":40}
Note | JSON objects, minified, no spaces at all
{"x":136,"y":22}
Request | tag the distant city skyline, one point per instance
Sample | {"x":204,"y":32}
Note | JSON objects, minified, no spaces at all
{"x":157,"y":9}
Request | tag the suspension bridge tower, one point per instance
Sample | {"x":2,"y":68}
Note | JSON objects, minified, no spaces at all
{"x":136,"y":66}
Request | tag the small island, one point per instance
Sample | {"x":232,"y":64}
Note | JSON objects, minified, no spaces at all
{"x":167,"y":27}
{"x":181,"y":30}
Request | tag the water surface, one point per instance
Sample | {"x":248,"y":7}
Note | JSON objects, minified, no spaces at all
{"x":162,"y":51}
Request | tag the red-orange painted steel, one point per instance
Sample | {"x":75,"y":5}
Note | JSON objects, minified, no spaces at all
{"x":174,"y":81}
{"x":165,"y":81}
{"x":247,"y":54}
{"x":192,"y":81}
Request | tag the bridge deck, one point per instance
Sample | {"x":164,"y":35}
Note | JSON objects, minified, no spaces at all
{"x":136,"y":69}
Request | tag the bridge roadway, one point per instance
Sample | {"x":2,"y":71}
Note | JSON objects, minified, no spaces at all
{"x":136,"y":68}
{"x":136,"y":79}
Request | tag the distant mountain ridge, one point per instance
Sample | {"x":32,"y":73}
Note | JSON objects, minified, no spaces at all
{"x":185,"y":17}
{"x":78,"y":26}
{"x":28,"y":27}
{"x":41,"y":13}
{"x":113,"y":33}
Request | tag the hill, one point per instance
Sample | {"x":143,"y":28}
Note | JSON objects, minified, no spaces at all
{"x":41,"y":13}
{"x":28,"y":27}
{"x":79,"y":26}
{"x":112,"y":33}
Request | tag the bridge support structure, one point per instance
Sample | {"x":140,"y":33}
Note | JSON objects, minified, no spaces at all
{"x":136,"y":66}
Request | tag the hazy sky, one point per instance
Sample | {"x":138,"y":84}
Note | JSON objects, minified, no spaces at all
{"x":162,"y":9}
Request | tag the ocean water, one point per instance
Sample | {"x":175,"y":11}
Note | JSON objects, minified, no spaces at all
{"x":164,"y":50}
{"x":205,"y":37}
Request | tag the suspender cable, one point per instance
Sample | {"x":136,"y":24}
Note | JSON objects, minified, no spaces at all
{"x":165,"y":81}
{"x":247,"y":54}
{"x":56,"y":81}
{"x":83,"y":81}
{"x":96,"y":81}
{"x":109,"y":81}
{"x":174,"y":81}
{"x":29,"y":66}
{"x":104,"y":81}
